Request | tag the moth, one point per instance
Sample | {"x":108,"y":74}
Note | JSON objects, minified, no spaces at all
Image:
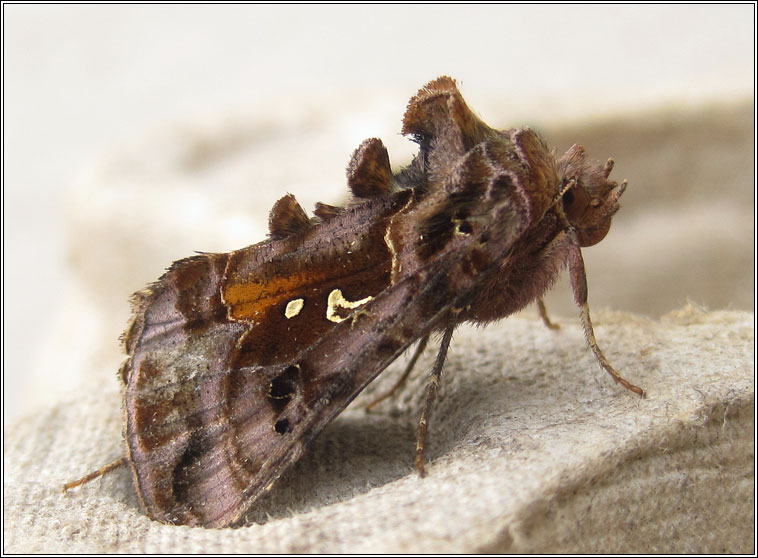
{"x":236,"y":361}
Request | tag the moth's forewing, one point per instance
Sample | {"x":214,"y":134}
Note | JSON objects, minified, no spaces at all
{"x":212,"y":352}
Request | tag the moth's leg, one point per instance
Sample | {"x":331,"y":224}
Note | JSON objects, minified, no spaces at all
{"x":544,"y":316}
{"x":579,"y":286}
{"x":401,"y":382}
{"x":431,"y":394}
{"x":120,"y":462}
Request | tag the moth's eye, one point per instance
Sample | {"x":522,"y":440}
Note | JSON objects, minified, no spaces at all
{"x":575,"y":202}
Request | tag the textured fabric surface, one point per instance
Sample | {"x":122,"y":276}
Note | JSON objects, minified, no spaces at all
{"x":532,"y":449}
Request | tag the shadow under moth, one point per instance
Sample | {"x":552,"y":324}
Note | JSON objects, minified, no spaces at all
{"x":236,"y":361}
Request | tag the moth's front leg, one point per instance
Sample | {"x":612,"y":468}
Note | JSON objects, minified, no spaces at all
{"x":579,"y":286}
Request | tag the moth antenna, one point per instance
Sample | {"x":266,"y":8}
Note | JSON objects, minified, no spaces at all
{"x":565,"y":188}
{"x":120,"y":462}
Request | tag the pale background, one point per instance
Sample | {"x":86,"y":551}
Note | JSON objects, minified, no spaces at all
{"x":89,"y":90}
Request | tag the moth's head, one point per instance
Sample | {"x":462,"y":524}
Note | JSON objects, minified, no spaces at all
{"x":589,"y":198}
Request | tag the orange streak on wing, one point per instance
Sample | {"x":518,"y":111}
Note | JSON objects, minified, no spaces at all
{"x":249,"y":300}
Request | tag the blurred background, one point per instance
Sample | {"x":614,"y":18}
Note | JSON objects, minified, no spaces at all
{"x":136,"y":134}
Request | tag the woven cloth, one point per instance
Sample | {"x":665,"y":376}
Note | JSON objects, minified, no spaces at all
{"x":532,"y":449}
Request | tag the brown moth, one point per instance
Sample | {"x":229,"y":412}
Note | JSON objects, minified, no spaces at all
{"x":236,"y":361}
